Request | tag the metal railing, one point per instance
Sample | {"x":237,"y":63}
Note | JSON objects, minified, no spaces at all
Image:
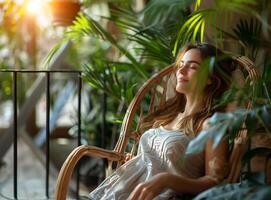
{"x":47,"y":126}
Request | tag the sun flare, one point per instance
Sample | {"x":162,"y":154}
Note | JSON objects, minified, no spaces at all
{"x":39,"y":10}
{"x":34,"y":7}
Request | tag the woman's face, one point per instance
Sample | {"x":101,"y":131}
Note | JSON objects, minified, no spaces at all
{"x":186,"y":71}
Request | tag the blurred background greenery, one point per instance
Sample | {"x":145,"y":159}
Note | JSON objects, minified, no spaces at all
{"x":119,"y":44}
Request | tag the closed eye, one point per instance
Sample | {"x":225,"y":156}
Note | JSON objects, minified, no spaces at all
{"x":190,"y":65}
{"x":193,"y":66}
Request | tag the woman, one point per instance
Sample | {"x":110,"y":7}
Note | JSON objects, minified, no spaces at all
{"x":161,"y":170}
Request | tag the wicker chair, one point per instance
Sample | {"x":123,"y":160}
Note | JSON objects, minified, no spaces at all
{"x":150,"y":96}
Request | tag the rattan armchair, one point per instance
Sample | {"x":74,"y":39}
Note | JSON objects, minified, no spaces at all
{"x":156,"y":90}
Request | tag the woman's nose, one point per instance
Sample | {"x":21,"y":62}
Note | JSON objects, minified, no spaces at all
{"x":182,"y":69}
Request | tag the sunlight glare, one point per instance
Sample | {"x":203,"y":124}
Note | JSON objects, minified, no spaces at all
{"x":37,"y":8}
{"x":34,"y":7}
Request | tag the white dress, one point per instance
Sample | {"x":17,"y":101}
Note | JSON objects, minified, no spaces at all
{"x":160,"y":150}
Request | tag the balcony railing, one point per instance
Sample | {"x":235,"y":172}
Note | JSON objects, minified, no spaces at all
{"x":46,"y":74}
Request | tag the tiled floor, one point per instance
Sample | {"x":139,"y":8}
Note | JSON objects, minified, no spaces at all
{"x":31,"y":175}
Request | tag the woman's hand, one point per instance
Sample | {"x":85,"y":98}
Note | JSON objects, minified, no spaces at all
{"x":127,"y":157}
{"x":151,"y":188}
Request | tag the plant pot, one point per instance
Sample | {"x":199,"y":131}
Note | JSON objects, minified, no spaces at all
{"x":64,"y":12}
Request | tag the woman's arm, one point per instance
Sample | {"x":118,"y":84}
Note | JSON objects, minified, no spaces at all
{"x":154,"y":186}
{"x":216,"y":160}
{"x":215,"y":170}
{"x":182,"y":184}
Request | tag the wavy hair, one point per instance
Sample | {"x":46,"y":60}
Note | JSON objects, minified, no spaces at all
{"x":220,"y":74}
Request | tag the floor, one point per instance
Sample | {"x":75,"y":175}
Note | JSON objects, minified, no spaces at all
{"x":31,"y":175}
{"x":31,"y":172}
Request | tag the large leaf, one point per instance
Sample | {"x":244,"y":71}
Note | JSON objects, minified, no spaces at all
{"x":261,"y":193}
{"x":243,"y":191}
{"x":216,"y":133}
{"x":220,"y":124}
{"x":231,"y":123}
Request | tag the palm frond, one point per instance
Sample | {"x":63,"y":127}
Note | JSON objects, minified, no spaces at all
{"x":248,"y":32}
{"x":194,"y":26}
{"x":155,"y":43}
{"x":106,"y":78}
{"x":197,"y":4}
{"x":156,"y":12}
{"x":85,"y":25}
{"x":54,"y":51}
{"x":154,"y":47}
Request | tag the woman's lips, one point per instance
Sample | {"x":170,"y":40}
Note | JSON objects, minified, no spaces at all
{"x":181,"y":80}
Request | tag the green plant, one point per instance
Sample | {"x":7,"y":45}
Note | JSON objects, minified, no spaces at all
{"x":249,"y":189}
{"x":148,"y":40}
{"x":120,"y":61}
{"x":252,"y":31}
{"x":259,"y":115}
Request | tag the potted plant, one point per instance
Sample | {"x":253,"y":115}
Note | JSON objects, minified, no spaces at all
{"x":64,"y":11}
{"x":155,"y":31}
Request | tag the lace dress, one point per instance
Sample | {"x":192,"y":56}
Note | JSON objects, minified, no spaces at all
{"x":160,"y":150}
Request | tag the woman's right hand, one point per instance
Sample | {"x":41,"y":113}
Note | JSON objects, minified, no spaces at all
{"x":151,"y":188}
{"x":127,"y":157}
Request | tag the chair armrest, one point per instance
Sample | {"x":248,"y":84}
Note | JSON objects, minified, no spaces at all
{"x":73,"y":158}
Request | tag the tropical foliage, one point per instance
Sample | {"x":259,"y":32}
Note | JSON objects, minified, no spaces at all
{"x":126,"y":46}
{"x":251,"y":188}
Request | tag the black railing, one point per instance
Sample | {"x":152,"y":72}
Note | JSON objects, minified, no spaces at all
{"x":15,"y":142}
{"x":47,"y":145}
{"x":48,"y":131}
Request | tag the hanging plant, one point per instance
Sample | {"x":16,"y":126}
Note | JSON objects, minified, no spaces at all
{"x":64,"y":11}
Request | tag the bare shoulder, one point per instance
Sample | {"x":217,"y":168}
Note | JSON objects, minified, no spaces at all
{"x":205,"y":124}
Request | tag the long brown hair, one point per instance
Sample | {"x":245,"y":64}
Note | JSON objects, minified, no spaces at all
{"x":219,"y":77}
